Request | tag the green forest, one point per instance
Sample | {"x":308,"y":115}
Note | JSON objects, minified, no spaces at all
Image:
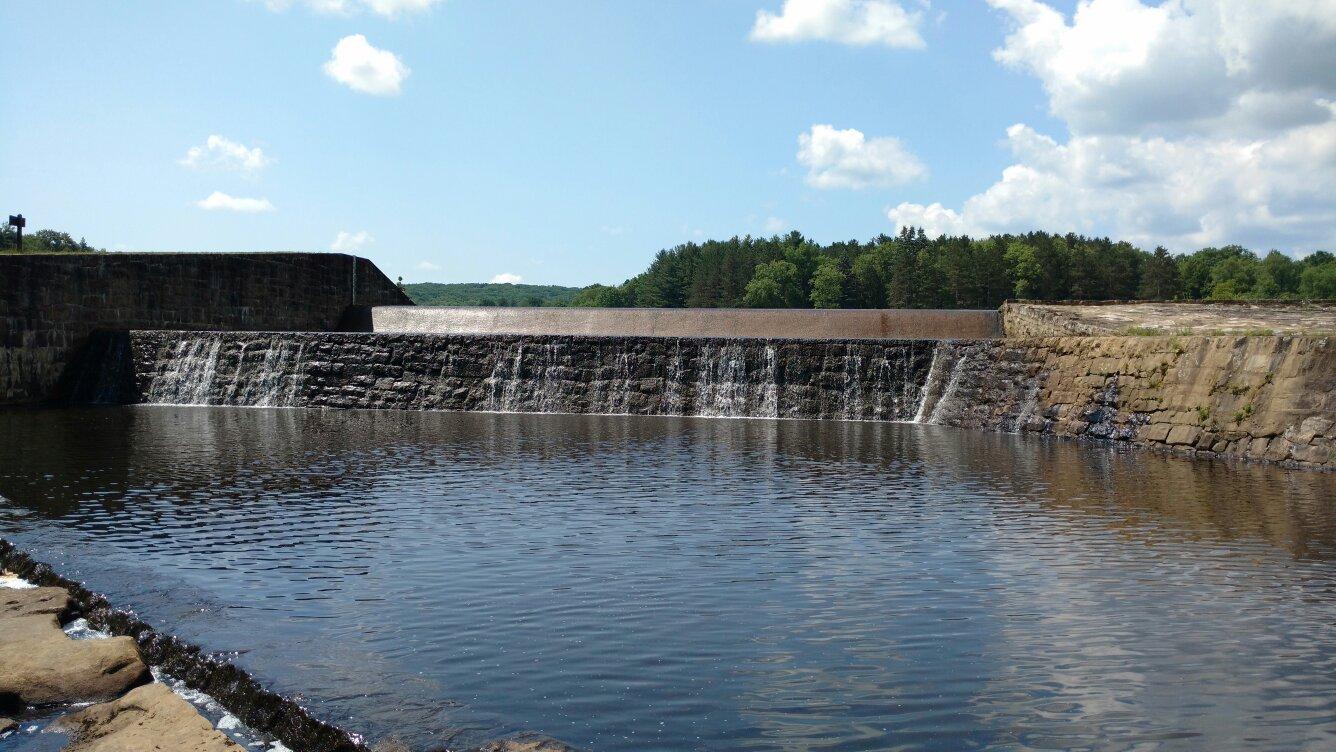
{"x":909,"y":270}
{"x":912,"y":270}
{"x":43,"y":241}
{"x":489,"y":294}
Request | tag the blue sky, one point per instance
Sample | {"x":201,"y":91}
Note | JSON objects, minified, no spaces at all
{"x":566,"y":142}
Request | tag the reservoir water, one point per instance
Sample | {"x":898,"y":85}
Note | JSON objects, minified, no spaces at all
{"x":654,"y":583}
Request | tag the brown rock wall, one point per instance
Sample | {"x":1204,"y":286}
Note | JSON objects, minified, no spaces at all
{"x":1269,"y":398}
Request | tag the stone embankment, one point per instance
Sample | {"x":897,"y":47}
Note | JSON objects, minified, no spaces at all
{"x":42,"y":665}
{"x":1258,"y":398}
{"x":1254,"y":381}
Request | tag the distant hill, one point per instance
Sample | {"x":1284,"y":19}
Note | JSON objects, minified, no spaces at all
{"x":489,"y":294}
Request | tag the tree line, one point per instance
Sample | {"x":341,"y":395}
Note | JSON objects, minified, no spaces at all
{"x":911,"y":270}
{"x":488,"y":294}
{"x":43,"y":241}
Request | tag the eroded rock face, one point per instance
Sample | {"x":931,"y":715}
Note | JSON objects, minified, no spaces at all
{"x":148,"y":718}
{"x":40,"y":664}
{"x":1259,"y":398}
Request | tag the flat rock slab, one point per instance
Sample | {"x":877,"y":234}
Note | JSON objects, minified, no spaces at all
{"x":526,"y":742}
{"x":150,"y":718}
{"x":40,"y":664}
{"x":1187,"y":318}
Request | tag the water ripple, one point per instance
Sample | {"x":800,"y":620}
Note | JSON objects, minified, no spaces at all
{"x":669,"y":584}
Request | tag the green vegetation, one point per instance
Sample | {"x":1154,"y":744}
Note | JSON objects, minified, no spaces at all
{"x":488,"y":294}
{"x":906,"y":271}
{"x":914,"y":271}
{"x":43,"y":241}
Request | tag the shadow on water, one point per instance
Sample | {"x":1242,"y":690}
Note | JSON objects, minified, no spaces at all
{"x":669,"y":583}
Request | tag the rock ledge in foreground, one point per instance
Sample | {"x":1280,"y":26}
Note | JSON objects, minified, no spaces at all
{"x":147,"y":719}
{"x":40,"y":664}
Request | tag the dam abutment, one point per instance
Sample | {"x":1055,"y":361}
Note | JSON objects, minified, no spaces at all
{"x":50,"y":304}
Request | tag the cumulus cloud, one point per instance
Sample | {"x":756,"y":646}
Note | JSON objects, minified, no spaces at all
{"x":775,"y":225}
{"x":1183,"y":192}
{"x":224,"y":153}
{"x":1230,"y":66}
{"x":386,"y":8}
{"x":1191,"y":123}
{"x":392,"y":8}
{"x":347,"y":242}
{"x":506,"y":278}
{"x":361,"y":67}
{"x":221,"y":201}
{"x":848,"y":159}
{"x":856,"y":22}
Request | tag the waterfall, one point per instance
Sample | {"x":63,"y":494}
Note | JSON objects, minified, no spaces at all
{"x":770,"y":387}
{"x":815,"y":379}
{"x":928,"y":383}
{"x":852,"y":408}
{"x":674,"y":399}
{"x":503,"y":384}
{"x":948,"y":402}
{"x":216,"y":369}
{"x":188,"y":376}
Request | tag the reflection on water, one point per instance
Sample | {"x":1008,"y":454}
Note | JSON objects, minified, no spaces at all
{"x":659,"y":583}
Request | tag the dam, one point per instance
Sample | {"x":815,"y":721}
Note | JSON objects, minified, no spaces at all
{"x":629,"y":529}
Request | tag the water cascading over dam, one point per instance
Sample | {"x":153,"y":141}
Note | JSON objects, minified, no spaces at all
{"x":886,"y":380}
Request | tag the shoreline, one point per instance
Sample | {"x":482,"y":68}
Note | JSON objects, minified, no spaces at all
{"x":236,"y":691}
{"x":200,"y":679}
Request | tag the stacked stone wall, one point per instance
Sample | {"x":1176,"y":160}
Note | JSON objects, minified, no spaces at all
{"x":1269,"y":398}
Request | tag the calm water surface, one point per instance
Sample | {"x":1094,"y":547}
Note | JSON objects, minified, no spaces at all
{"x":630,"y":583}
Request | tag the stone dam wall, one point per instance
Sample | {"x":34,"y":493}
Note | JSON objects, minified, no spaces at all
{"x":840,"y":379}
{"x":689,"y":322}
{"x":1267,"y":398}
{"x":51,"y":303}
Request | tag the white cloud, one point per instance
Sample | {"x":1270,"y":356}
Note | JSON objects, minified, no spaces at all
{"x":392,"y":8}
{"x":1192,"y":122}
{"x":347,"y":242}
{"x":1237,"y":67}
{"x":427,"y":266}
{"x":775,"y":225}
{"x":386,"y":8}
{"x":613,"y":229}
{"x":220,"y":200}
{"x":506,"y":278}
{"x":224,"y":153}
{"x":856,"y":22}
{"x":848,"y":159}
{"x":1183,"y":192}
{"x":361,"y":67}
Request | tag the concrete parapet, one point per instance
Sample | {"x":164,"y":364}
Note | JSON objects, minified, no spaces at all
{"x":690,"y":322}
